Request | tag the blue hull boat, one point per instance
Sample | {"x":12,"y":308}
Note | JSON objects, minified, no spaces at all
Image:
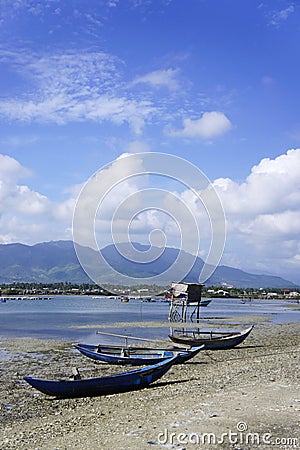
{"x":110,"y":384}
{"x":135,"y":356}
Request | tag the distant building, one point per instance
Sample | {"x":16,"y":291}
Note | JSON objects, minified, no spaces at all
{"x":294,"y":294}
{"x":222,"y":293}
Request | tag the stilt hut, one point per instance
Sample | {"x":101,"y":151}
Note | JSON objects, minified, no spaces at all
{"x":183,"y":296}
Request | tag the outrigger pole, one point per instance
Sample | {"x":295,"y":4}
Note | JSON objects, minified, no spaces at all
{"x":129,"y":337}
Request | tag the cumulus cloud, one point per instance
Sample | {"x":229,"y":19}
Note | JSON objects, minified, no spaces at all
{"x":26,"y":215}
{"x":273,"y":186}
{"x":210,"y":125}
{"x":11,"y":169}
{"x":263,"y":212}
{"x":16,"y":197}
{"x":262,"y":216}
{"x":101,"y":197}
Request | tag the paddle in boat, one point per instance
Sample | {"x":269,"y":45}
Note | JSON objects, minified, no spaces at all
{"x":110,"y":384}
{"x":212,"y":340}
{"x":136,"y":356}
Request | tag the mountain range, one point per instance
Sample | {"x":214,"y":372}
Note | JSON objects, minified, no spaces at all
{"x":56,"y":261}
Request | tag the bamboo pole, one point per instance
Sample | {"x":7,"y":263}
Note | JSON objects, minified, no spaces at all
{"x":129,"y":337}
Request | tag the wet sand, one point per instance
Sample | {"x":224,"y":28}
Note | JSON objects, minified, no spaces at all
{"x":244,"y":398}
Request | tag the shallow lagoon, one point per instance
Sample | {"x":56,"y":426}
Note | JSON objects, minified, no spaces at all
{"x":74,"y":318}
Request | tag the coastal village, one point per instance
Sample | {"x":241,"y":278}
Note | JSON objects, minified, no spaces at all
{"x":44,"y":291}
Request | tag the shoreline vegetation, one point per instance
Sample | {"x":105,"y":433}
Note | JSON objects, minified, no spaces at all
{"x":245,"y":397}
{"x":41,"y":290}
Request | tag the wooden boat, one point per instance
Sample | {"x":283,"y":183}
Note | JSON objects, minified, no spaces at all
{"x":110,"y":348}
{"x":135,"y":356}
{"x":205,"y":302}
{"x":110,"y":384}
{"x":212,"y":340}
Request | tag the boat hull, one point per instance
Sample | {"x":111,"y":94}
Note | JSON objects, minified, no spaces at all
{"x":112,"y":384}
{"x":136,"y":357}
{"x":212,"y":343}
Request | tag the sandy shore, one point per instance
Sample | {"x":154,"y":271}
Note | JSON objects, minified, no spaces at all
{"x":243,"y":398}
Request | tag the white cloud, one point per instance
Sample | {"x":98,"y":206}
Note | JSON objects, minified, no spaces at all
{"x":112,"y":4}
{"x":71,"y":86}
{"x":160,"y":78}
{"x":277,"y":17}
{"x":85,"y":86}
{"x":263,"y":213}
{"x":26,"y":215}
{"x":11,"y":169}
{"x":101,"y":197}
{"x":273,"y":186}
{"x":210,"y":125}
{"x":74,"y":87}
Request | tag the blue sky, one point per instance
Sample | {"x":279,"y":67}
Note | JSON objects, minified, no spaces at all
{"x":213,"y":81}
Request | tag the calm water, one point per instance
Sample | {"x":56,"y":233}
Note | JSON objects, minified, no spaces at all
{"x":66,"y":317}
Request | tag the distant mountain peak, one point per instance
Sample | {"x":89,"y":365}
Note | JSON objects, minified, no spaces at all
{"x":56,"y":261}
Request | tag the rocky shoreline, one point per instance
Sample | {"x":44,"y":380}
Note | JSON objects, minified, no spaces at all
{"x":244,"y":398}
